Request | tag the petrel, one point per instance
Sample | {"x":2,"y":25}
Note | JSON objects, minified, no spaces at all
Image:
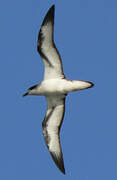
{"x":54,"y":87}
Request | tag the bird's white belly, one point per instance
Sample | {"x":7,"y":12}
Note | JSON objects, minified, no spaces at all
{"x":60,"y":86}
{"x":53,"y":86}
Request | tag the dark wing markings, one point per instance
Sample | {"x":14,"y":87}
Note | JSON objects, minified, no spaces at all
{"x":48,"y":18}
{"x":57,"y":159}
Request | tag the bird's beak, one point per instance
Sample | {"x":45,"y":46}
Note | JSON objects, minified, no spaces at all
{"x":25,"y":94}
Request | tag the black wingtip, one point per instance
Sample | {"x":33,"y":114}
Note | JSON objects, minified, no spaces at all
{"x":53,"y":6}
{"x":51,"y":10}
{"x":49,"y":16}
{"x":58,"y":161}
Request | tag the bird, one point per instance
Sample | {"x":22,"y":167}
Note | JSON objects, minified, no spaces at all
{"x":54,"y":87}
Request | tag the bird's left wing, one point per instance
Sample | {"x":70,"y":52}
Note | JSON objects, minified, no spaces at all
{"x":51,"y":128}
{"x":47,"y":49}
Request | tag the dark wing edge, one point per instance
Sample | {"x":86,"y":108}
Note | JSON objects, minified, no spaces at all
{"x":58,"y":159}
{"x":48,"y":18}
{"x":43,"y":39}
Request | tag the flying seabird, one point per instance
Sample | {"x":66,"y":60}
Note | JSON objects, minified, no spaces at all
{"x":54,"y":87}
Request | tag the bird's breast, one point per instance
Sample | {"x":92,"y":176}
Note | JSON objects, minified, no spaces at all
{"x":52,"y":86}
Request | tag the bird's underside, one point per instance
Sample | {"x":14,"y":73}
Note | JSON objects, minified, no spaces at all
{"x":51,"y":128}
{"x":54,"y":87}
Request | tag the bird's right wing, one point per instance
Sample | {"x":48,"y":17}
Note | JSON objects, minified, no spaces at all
{"x":51,"y":128}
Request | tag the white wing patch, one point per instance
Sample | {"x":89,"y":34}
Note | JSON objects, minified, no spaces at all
{"x":47,"y":48}
{"x":51,"y":128}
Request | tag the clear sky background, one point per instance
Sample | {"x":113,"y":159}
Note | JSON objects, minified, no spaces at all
{"x":86,"y":36}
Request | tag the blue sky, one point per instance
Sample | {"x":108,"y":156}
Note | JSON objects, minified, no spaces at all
{"x":86,"y":36}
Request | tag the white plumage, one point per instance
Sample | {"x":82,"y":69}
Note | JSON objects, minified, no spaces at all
{"x":54,"y":87}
